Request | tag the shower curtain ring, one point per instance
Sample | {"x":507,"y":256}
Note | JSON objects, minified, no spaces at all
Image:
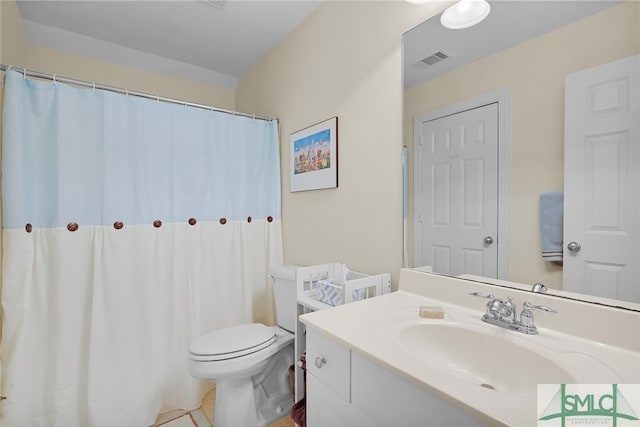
{"x":54,"y":80}
{"x":94,"y":86}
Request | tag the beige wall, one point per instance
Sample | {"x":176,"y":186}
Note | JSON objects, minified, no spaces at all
{"x":17,"y":52}
{"x":88,"y":69}
{"x":534,"y":72}
{"x":12,"y":41}
{"x":344,"y":60}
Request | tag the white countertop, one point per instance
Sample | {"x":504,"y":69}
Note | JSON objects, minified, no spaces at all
{"x":363,"y":328}
{"x":371,"y":327}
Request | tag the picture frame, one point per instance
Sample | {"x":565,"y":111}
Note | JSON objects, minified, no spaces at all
{"x":313,"y":157}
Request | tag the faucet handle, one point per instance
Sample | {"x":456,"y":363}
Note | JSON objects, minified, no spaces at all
{"x":493,"y":305}
{"x":481,"y":295}
{"x":536,"y":307}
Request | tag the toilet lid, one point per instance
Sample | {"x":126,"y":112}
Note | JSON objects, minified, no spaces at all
{"x":232,"y":342}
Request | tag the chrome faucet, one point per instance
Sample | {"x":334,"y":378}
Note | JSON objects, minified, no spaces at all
{"x":503,"y":313}
{"x":539,"y":287}
{"x":508,"y":311}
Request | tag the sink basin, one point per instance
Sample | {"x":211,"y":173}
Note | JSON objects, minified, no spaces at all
{"x":482,"y":357}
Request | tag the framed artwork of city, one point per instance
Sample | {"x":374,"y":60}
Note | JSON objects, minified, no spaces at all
{"x":314,"y":157}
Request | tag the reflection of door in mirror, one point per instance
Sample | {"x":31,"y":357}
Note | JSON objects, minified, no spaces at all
{"x":461,"y":176}
{"x":456,"y":192}
{"x":602,"y":183}
{"x":533,"y":72}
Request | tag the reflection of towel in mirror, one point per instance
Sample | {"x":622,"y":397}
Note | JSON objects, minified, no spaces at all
{"x":551,"y":211}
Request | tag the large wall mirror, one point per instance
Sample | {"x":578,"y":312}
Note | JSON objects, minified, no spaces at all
{"x":525,"y":77}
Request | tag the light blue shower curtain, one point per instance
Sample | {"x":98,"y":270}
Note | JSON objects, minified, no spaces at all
{"x":176,"y":212}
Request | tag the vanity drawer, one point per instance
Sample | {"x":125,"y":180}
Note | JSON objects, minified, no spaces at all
{"x":330,"y":363}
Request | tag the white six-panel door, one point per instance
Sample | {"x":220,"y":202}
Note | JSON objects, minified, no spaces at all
{"x":602,"y":182}
{"x":457,"y":208}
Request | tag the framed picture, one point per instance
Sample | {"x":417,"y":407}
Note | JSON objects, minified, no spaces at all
{"x":314,"y":157}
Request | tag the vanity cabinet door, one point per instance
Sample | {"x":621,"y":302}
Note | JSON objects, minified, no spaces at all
{"x":330,"y":363}
{"x":325,"y":408}
{"x":329,"y":386}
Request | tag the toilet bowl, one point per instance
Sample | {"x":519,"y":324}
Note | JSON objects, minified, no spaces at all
{"x":250,"y":363}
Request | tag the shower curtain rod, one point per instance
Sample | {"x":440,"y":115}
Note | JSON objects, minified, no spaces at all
{"x":55,"y":78}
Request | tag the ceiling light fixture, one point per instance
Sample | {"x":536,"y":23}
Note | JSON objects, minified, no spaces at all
{"x":465,"y":13}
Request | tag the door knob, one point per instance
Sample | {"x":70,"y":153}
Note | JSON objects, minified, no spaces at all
{"x":319,"y":362}
{"x":488,"y":240}
{"x":574,"y":247}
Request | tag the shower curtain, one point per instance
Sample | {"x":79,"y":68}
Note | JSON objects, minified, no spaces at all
{"x":130,"y":227}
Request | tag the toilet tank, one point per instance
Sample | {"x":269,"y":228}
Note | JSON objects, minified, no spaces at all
{"x":284,"y":295}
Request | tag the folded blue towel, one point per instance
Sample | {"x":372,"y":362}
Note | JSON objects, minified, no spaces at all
{"x":551,"y":211}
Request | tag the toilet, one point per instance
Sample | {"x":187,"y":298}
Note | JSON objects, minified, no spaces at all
{"x":250,"y":362}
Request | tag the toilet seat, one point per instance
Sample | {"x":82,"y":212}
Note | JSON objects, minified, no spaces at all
{"x":232,"y":342}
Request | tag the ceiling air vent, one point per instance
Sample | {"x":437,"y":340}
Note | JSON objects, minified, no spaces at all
{"x":432,"y":59}
{"x":218,"y":4}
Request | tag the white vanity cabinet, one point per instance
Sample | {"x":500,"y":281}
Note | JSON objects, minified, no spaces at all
{"x":346,"y":389}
